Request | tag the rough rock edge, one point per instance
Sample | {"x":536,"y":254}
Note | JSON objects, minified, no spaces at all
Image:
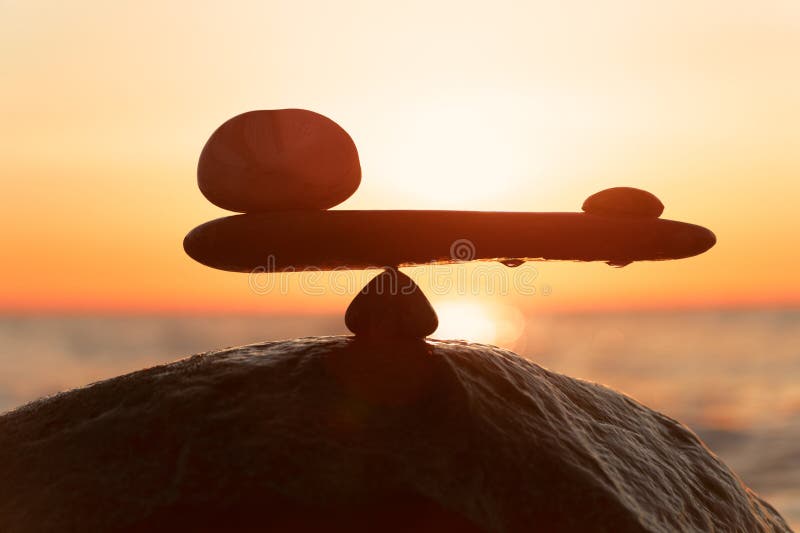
{"x":482,"y":431}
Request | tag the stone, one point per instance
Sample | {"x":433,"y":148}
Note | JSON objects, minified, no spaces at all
{"x":342,"y":239}
{"x":624,"y":202}
{"x":391,"y":305}
{"x":298,"y":435}
{"x":278,"y":159}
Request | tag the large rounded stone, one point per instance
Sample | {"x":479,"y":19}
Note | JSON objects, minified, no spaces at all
{"x":278,"y":159}
{"x":337,"y":434}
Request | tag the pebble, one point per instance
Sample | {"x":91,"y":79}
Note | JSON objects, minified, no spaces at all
{"x":278,"y":159}
{"x":391,"y":305}
{"x":624,"y":201}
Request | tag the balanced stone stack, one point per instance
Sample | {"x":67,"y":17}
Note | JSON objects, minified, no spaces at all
{"x":383,"y":431}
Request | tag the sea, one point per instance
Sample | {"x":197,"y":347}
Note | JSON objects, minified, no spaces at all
{"x":732,"y":376}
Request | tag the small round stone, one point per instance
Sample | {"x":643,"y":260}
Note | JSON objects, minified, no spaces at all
{"x":391,"y":305}
{"x":624,"y":202}
{"x":278,"y":159}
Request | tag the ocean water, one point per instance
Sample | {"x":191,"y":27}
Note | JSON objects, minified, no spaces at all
{"x":732,"y":376}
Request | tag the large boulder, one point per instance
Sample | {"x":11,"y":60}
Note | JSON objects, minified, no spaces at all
{"x":338,"y":433}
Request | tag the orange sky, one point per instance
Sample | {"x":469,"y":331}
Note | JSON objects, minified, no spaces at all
{"x":104,"y":108}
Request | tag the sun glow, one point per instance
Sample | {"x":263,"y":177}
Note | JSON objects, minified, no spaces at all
{"x":462,"y":153}
{"x":521,"y":107}
{"x":500,"y":325}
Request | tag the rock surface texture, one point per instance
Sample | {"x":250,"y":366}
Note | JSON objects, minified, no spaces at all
{"x":340,"y":434}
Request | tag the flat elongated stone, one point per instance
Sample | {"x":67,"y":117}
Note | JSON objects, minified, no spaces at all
{"x":391,"y":305}
{"x":364,"y":239}
{"x":278,"y":159}
{"x":624,"y":201}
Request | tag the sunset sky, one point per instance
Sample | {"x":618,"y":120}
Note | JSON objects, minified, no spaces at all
{"x":105,"y":106}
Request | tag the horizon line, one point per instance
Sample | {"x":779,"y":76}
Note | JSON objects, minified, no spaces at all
{"x":153,"y":311}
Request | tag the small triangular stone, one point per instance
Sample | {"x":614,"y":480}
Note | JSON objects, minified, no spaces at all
{"x":391,"y":305}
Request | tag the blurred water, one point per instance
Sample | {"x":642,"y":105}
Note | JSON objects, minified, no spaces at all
{"x":732,"y":376}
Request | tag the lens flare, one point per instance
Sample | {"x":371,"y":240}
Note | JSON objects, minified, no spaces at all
{"x":500,"y":325}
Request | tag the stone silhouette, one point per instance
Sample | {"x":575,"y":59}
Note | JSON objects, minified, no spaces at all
{"x":278,"y":159}
{"x":336,"y":434}
{"x":284,"y":168}
{"x":391,"y":306}
{"x":622,"y":202}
